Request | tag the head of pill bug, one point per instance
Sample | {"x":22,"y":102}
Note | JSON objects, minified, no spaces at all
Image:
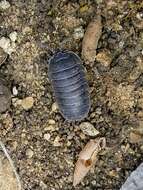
{"x":70,"y":86}
{"x":63,"y":55}
{"x":5,"y":96}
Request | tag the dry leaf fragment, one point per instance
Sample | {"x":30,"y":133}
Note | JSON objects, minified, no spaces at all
{"x":90,"y":40}
{"x":87,"y":159}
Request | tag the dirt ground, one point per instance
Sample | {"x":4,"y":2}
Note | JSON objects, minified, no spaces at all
{"x":45,"y":147}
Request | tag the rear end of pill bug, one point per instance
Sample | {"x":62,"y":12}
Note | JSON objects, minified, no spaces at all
{"x":70,"y":86}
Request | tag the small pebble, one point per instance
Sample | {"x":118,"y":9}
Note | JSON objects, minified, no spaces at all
{"x":82,"y":136}
{"x":141,"y":147}
{"x":57,"y":141}
{"x":140,"y":114}
{"x":47,"y":136}
{"x":6,"y":45}
{"x":14,"y":91}
{"x":78,"y":33}
{"x":4,"y":4}
{"x":121,"y":44}
{"x":113,"y":173}
{"x":51,"y":122}
{"x":68,"y":143}
{"x":98,"y":111}
{"x":104,"y":57}
{"x":94,"y":182}
{"x":50,"y":128}
{"x":13,"y":36}
{"x":54,"y":107}
{"x":29,"y":153}
{"x":27,"y":103}
{"x":16,"y":102}
{"x":88,"y":129}
{"x":139,"y":16}
{"x":43,"y":185}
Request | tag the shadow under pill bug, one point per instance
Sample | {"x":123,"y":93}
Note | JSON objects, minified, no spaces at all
{"x":70,"y":86}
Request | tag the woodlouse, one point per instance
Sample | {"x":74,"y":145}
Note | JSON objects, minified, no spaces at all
{"x":70,"y":86}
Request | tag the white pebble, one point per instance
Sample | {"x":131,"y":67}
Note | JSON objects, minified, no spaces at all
{"x":6,"y":45}
{"x":14,"y":91}
{"x":51,"y":121}
{"x":29,"y":153}
{"x":4,"y":4}
{"x":27,"y":103}
{"x":43,"y":185}
{"x":88,"y":129}
{"x":47,"y":136}
{"x":78,"y":33}
{"x":13,"y":36}
{"x":121,"y":44}
{"x":54,"y":107}
{"x":139,"y":16}
{"x":57,"y":141}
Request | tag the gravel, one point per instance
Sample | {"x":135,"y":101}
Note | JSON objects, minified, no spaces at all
{"x":116,"y":90}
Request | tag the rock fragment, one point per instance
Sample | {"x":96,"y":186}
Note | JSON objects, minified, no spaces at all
{"x":78,"y":33}
{"x":57,"y":142}
{"x":4,"y":4}
{"x":29,"y":153}
{"x":135,"y":180}
{"x":47,"y":136}
{"x":51,"y":122}
{"x":14,"y":91}
{"x":54,"y":107}
{"x":88,"y":129}
{"x":13,"y":36}
{"x":6,"y":45}
{"x":27,"y":103}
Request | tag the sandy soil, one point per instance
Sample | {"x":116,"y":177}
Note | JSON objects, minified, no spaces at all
{"x":43,"y":146}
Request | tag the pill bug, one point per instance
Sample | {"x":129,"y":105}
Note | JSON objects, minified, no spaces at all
{"x":70,"y":86}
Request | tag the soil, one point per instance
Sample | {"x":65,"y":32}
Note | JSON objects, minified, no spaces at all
{"x":45,"y":147}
